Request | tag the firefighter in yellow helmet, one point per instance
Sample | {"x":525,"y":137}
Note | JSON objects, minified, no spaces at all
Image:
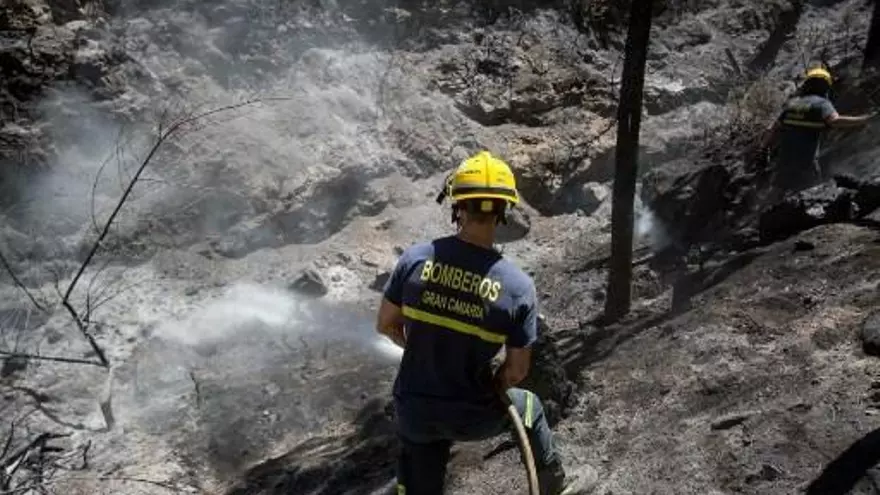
{"x":798,"y":131}
{"x":452,"y":303}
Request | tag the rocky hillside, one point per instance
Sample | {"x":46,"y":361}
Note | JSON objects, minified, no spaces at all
{"x":298,"y":148}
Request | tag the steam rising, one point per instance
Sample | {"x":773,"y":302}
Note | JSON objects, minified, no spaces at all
{"x":85,"y":138}
{"x":648,"y":227}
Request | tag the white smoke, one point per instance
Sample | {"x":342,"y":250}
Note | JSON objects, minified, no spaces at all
{"x":92,"y":163}
{"x":648,"y":228}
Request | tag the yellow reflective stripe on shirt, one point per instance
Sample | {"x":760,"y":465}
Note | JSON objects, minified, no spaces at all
{"x":453,"y":324}
{"x":805,"y":123}
{"x":530,"y":405}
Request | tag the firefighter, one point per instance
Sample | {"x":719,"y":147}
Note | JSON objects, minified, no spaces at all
{"x":798,"y":131}
{"x":453,"y":303}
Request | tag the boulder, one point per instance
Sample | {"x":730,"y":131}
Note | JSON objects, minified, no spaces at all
{"x":690,"y":203}
{"x":822,"y":204}
{"x":870,"y":335}
{"x":867,"y":196}
{"x":310,"y":283}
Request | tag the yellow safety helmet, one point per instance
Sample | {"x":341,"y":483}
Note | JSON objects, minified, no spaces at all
{"x":482,"y":176}
{"x":819,"y":73}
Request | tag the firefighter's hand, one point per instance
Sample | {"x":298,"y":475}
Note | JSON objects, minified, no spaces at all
{"x":398,"y":336}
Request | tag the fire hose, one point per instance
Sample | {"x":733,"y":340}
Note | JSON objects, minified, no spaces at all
{"x":525,"y":447}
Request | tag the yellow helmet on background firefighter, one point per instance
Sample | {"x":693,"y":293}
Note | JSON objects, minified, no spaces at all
{"x":819,"y":73}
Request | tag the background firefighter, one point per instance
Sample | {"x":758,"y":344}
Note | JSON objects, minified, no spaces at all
{"x":452,"y":303}
{"x":798,"y":131}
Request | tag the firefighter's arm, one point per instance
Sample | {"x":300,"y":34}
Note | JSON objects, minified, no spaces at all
{"x":515,"y":368}
{"x":518,"y":351}
{"x":389,"y":318}
{"x":769,"y":135}
{"x":838,"y":121}
{"x":389,"y":322}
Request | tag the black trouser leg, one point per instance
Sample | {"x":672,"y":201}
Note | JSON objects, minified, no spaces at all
{"x":421,"y":468}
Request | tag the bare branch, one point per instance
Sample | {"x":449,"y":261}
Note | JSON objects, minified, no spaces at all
{"x":100,"y":301}
{"x":59,"y":359}
{"x":18,"y":283}
{"x":9,"y":438}
{"x":163,"y":135}
{"x":14,"y":461}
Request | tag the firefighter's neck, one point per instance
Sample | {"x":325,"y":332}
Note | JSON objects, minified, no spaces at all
{"x":480,"y":233}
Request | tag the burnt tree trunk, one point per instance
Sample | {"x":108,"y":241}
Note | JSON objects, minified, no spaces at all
{"x":629,"y":113}
{"x":872,"y":47}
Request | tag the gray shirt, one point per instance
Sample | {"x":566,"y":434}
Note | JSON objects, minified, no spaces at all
{"x":803,"y":123}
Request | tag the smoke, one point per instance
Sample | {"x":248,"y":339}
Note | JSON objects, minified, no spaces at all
{"x":84,"y":138}
{"x":649,"y":228}
{"x":289,"y":171}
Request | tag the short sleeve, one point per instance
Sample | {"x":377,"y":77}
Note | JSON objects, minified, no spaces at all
{"x":525,"y":328}
{"x":393,"y":290}
{"x":827,"y":109}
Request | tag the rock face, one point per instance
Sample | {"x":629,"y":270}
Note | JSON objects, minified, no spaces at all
{"x":737,"y":371}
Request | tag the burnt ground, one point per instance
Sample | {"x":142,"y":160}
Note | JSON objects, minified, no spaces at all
{"x":760,"y":387}
{"x":754,"y":389}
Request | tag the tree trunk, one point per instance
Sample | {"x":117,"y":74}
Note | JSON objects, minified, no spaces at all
{"x":629,"y":113}
{"x":872,"y":47}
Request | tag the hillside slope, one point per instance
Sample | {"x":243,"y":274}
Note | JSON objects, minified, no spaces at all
{"x":244,"y":269}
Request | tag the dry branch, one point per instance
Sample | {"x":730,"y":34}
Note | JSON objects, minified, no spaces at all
{"x":10,"y":464}
{"x":164,"y":134}
{"x":19,"y":284}
{"x":59,"y":359}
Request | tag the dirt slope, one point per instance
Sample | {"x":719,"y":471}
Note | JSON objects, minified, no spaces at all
{"x":753,"y":390}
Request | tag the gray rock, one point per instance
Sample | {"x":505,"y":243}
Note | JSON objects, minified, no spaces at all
{"x":870,"y":334}
{"x":518,"y":225}
{"x":309,"y":283}
{"x":379,"y":282}
{"x":729,"y":421}
{"x":825,"y":203}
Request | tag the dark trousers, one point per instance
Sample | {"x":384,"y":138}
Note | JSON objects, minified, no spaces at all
{"x":795,"y":177}
{"x":425,"y":445}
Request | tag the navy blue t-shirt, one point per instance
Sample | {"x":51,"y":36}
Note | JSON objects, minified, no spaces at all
{"x":461,"y":303}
